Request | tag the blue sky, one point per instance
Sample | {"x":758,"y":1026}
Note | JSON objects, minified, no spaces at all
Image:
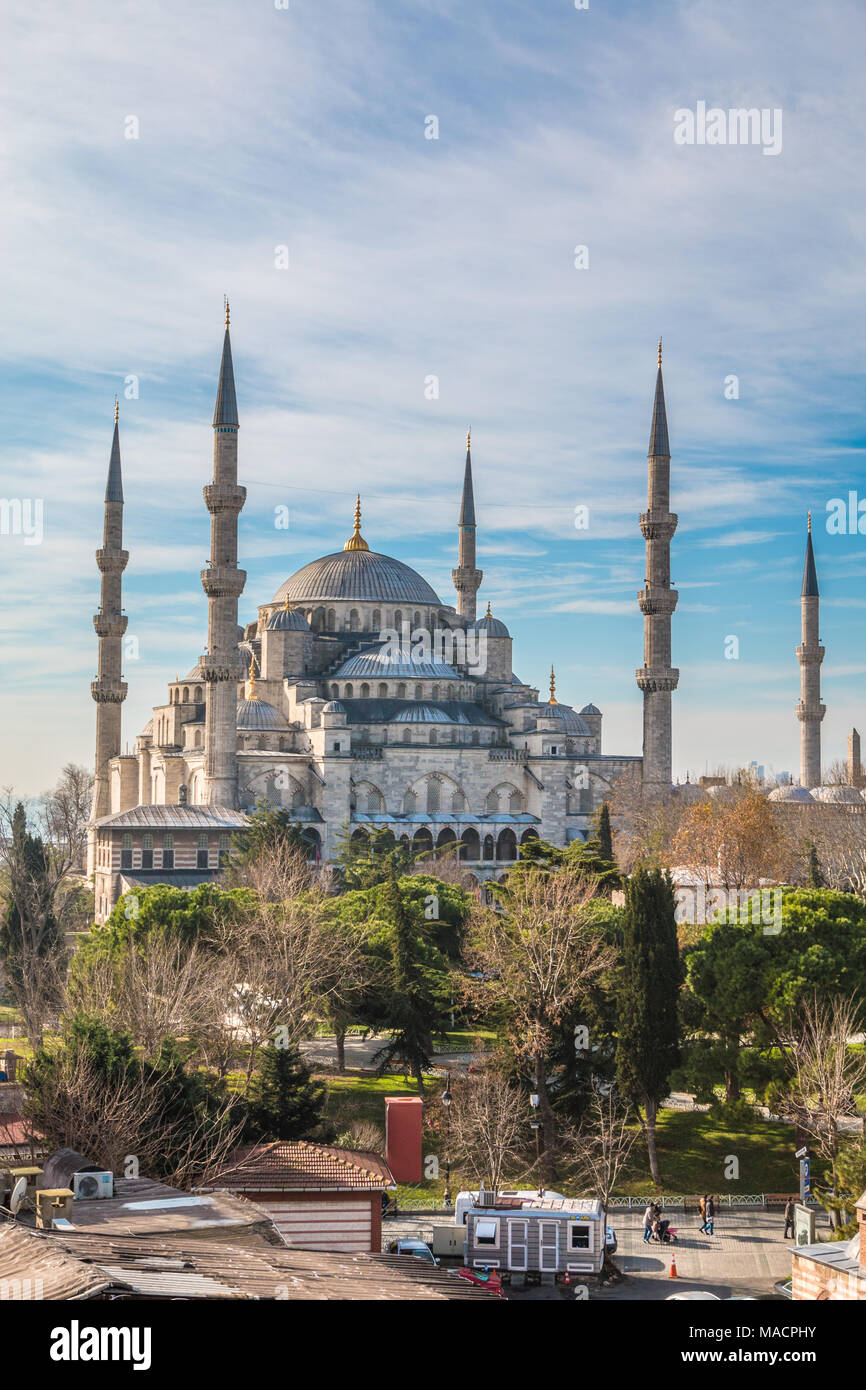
{"x":411,"y":257}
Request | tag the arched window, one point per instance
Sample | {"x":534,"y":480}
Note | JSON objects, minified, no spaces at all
{"x":365,"y":691}
{"x":410,"y":803}
{"x":198,"y":738}
{"x":407,"y":735}
{"x":334,"y":692}
{"x":470,"y":847}
{"x":506,"y":846}
{"x":491,"y":805}
{"x":419,"y":692}
{"x":298,"y":798}
{"x":186,"y":694}
{"x":476,"y":737}
{"x":401,"y":691}
{"x":354,"y":621}
{"x":488,"y":847}
{"x":350,"y":690}
{"x":434,"y":736}
{"x":377,"y":620}
{"x":398,"y":620}
{"x":331,"y":620}
{"x":375,"y":803}
{"x":199,"y":695}
{"x":515,"y":803}
{"x":147,"y":852}
{"x":434,"y":794}
{"x":434,"y":693}
{"x":168,"y":851}
{"x":416,"y":619}
{"x":383,"y":690}
{"x":458,"y":800}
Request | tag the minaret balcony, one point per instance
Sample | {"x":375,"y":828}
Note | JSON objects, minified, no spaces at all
{"x":808,"y":713}
{"x":108,"y":691}
{"x":216,"y":669}
{"x":110,"y":624}
{"x":654,"y":678}
{"x":465,"y":578}
{"x":112,"y":561}
{"x":223,"y":581}
{"x":658,"y":525}
{"x":807,"y":655}
{"x":656,"y":602}
{"x":224,"y":498}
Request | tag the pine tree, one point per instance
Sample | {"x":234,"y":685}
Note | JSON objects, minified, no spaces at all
{"x":284,"y":1102}
{"x":647,"y":995}
{"x":816,"y":878}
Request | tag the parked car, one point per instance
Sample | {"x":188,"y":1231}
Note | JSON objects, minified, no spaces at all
{"x":784,"y":1288}
{"x":408,"y":1246}
{"x":692,"y":1295}
{"x":610,"y":1240}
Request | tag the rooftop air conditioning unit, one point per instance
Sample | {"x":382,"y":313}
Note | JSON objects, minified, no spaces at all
{"x":87,"y":1186}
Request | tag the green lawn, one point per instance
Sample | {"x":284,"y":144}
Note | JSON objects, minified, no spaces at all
{"x":694,"y":1152}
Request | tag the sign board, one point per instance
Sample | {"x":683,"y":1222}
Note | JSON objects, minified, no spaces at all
{"x":805,"y":1178}
{"x":804,"y":1225}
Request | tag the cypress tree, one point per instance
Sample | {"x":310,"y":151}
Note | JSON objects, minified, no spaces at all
{"x":411,"y":1008}
{"x":816,"y":878}
{"x":603,"y":834}
{"x":647,"y":994}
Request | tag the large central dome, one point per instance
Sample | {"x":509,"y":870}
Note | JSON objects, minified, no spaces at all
{"x":357,"y":574}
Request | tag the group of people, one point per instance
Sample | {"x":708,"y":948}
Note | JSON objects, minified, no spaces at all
{"x":654,"y":1225}
{"x":708,"y":1214}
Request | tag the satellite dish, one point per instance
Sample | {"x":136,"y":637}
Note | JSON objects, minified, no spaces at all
{"x":19,"y":1192}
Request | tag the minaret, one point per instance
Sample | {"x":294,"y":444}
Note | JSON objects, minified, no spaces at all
{"x":855,"y":767}
{"x":223,"y":583}
{"x":109,"y":689}
{"x":810,"y":654}
{"x":467,"y":579}
{"x":657,"y":678}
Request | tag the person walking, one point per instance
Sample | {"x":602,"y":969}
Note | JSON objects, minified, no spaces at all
{"x":789,"y":1218}
{"x":703,"y":1207}
{"x":647,"y":1223}
{"x":710,"y":1216}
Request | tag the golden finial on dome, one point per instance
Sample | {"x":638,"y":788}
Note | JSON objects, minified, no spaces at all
{"x":356,"y":540}
{"x":809,"y":523}
{"x":553,"y":700}
{"x":228,"y":312}
{"x":252,"y":678}
{"x":660,"y":351}
{"x":287,"y":606}
{"x":468,"y":439}
{"x":116,"y":410}
{"x":489,"y":614}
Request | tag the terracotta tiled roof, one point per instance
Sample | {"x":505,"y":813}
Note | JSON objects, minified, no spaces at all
{"x":14,"y":1129}
{"x":298,"y":1164}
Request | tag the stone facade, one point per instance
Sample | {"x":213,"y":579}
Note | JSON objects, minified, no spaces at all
{"x":356,"y":697}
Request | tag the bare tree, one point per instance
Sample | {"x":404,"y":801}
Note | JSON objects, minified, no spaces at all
{"x":540,"y":952}
{"x":644,"y":824}
{"x":838,"y":833}
{"x":826,"y":1073}
{"x":487,"y":1123}
{"x":601,"y":1144}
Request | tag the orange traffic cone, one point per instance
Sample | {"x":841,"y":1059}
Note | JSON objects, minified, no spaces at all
{"x":673,"y":1274}
{"x":567,"y":1279}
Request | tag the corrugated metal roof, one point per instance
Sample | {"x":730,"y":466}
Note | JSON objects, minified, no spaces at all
{"x":141,"y":1205}
{"x":33,"y":1266}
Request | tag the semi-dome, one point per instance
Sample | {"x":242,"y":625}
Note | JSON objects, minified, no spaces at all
{"x":362,"y":575}
{"x":590,"y":709}
{"x":287,"y":620}
{"x":789,"y":793}
{"x":848,"y":796}
{"x":425,"y":714}
{"x":333,"y":707}
{"x":258,"y":716}
{"x":570,"y":719}
{"x":380,"y":663}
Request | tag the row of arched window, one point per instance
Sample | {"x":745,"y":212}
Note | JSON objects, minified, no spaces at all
{"x":182,"y":697}
{"x":470,"y":848}
{"x":438,"y":795}
{"x":401,"y":692}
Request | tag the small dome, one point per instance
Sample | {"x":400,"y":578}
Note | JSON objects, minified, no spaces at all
{"x":494,"y":627}
{"x":720,"y":792}
{"x":333,"y":707}
{"x":379,"y":662}
{"x":258,"y":715}
{"x":848,"y":796}
{"x":590,"y":709}
{"x":147,"y":731}
{"x":789,"y":793}
{"x":571,"y":720}
{"x":287,"y":620}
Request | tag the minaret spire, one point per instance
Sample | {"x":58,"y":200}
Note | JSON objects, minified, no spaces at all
{"x":223,"y":583}
{"x":657,"y":678}
{"x":109,"y":689}
{"x":810,"y":654}
{"x":466,"y":578}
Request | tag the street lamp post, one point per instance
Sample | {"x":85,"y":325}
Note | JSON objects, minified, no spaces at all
{"x":446,"y":1101}
{"x":535,"y":1122}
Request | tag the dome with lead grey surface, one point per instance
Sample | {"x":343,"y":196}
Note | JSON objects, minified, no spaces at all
{"x":570,"y":719}
{"x":379,"y":663}
{"x":590,"y":709}
{"x":287,"y":620}
{"x":258,"y":716}
{"x":788,"y":793}
{"x":360,"y":575}
{"x":847,"y":796}
{"x":333,"y":707}
{"x":494,"y":627}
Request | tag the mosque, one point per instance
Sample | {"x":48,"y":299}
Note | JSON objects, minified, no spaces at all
{"x":355,"y":698}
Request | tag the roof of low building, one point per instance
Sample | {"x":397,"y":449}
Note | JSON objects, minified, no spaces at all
{"x":31,"y":1262}
{"x":178,"y":817}
{"x":143,"y":1205}
{"x":298,"y":1164}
